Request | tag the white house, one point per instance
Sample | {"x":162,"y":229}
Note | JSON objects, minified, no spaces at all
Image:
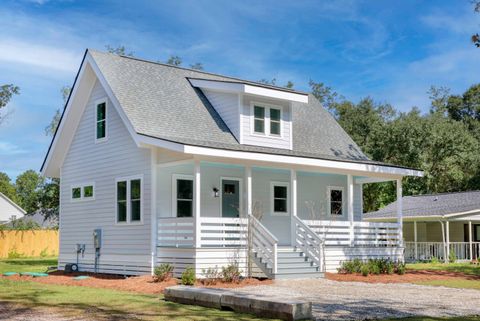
{"x":9,"y":210}
{"x":168,"y":164}
{"x":436,"y":222}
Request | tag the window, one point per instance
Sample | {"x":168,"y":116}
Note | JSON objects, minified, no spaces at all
{"x":280,"y":201}
{"x":183,"y":196}
{"x":83,"y":192}
{"x":101,"y":121}
{"x":335,"y":195}
{"x":267,"y":120}
{"x":259,"y":119}
{"x":129,"y":200}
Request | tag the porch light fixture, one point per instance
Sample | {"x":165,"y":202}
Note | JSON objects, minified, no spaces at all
{"x":216,"y":192}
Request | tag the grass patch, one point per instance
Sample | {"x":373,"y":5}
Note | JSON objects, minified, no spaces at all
{"x":453,"y":283}
{"x":107,"y":304}
{"x":466,"y":268}
{"x":27,"y":265}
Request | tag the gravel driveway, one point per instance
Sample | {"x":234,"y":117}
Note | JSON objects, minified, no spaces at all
{"x":334,"y":300}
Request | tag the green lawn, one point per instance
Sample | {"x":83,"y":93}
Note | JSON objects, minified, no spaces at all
{"x":460,"y":284}
{"x":106,"y":304}
{"x":467,"y":268}
{"x":27,"y":265}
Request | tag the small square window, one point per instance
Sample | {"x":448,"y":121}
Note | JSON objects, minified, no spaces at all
{"x":76,"y":192}
{"x":229,"y":189}
{"x":88,"y":191}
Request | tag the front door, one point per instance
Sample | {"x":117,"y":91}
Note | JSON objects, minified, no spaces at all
{"x":230,"y":198}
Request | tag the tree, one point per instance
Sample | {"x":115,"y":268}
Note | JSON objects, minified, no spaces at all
{"x":197,"y":65}
{"x":6,"y":94}
{"x":27,"y":186}
{"x":6,"y":187}
{"x":52,"y":127}
{"x":119,"y":50}
{"x":289,"y":85}
{"x":325,"y":95}
{"x":476,"y":36}
{"x":48,"y":199}
{"x":272,"y":82}
{"x":174,"y":60}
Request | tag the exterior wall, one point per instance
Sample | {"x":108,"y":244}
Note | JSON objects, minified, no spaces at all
{"x":125,"y":248}
{"x":258,"y":140}
{"x":432,"y":232}
{"x":7,"y":210}
{"x":226,"y":105}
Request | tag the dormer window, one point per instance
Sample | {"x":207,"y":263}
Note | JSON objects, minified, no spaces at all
{"x":267,"y":120}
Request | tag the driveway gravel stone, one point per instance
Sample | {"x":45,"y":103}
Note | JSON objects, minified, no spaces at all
{"x":334,"y":300}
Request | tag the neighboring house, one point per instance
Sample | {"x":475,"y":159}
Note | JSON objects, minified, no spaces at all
{"x":36,"y":218}
{"x":9,"y":210}
{"x":167,"y":164}
{"x":433,"y":223}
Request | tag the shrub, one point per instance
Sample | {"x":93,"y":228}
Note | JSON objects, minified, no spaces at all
{"x":451,"y":256}
{"x":365,"y":270}
{"x":350,"y":267}
{"x":390,"y":267}
{"x":231,"y":273}
{"x":401,"y":268}
{"x":163,"y":272}
{"x":374,"y":267}
{"x":434,"y":260}
{"x":188,"y":276}
{"x":211,"y":276}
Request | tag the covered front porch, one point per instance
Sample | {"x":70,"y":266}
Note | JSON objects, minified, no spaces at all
{"x":213,"y":212}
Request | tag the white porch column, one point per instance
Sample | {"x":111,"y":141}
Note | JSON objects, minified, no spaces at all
{"x":153,"y":206}
{"x":400,"y":211}
{"x":293,"y":184}
{"x":447,"y":240}
{"x":197,"y":198}
{"x":248,"y":180}
{"x":350,"y":208}
{"x":415,"y":239}
{"x":443,"y":241}
{"x":470,"y":239}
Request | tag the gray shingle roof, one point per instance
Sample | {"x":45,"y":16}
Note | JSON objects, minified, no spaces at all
{"x":431,"y":205}
{"x":160,"y":102}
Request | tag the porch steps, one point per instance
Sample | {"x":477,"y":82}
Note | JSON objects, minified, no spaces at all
{"x":292,"y":264}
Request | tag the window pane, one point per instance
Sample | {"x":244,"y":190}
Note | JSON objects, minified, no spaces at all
{"x":259,"y":112}
{"x":100,"y":129}
{"x":101,"y":111}
{"x":135,"y":189}
{"x":76,"y":192}
{"x":184,"y":208}
{"x":336,"y":195}
{"x":122,"y":211}
{"x":280,"y":192}
{"x":275,"y":114}
{"x":280,"y":205}
{"x":122,"y":191}
{"x":274,"y":128}
{"x":336,"y":208}
{"x":259,"y":126}
{"x":88,"y":191}
{"x":184,"y":189}
{"x":136,"y":213}
{"x":229,"y":189}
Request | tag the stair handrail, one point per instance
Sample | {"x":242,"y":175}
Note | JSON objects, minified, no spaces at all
{"x":314,"y":249}
{"x":260,"y":230}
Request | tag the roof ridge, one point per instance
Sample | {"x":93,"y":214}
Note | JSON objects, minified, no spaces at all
{"x":202,"y":72}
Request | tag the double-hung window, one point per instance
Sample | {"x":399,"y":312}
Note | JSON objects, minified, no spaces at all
{"x":83,"y":192}
{"x":279,"y":196}
{"x":183,"y":195}
{"x":129,"y":200}
{"x":101,"y":121}
{"x":267,"y":120}
{"x":335,"y":200}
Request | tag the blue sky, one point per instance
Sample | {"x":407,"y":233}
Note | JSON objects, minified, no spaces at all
{"x":389,"y":50}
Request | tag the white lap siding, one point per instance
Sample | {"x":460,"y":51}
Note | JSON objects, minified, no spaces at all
{"x":125,"y":248}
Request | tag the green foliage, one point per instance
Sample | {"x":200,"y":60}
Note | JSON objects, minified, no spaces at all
{"x":49,"y":199}
{"x":7,"y":188}
{"x":27,"y":186}
{"x":163,"y":272}
{"x":24,"y":225}
{"x":434,"y":260}
{"x":197,"y":65}
{"x":211,"y":276}
{"x":349,"y":267}
{"x":372,"y":266}
{"x":119,"y":50}
{"x":174,"y":60}
{"x":365,"y":270}
{"x":452,"y":258}
{"x":401,"y":269}
{"x":188,"y":276}
{"x":231,"y":273}
{"x":6,"y":93}
{"x":13,"y":254}
{"x":44,"y":253}
{"x":52,"y":127}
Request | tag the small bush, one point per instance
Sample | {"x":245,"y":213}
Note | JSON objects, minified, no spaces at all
{"x":451,"y":256}
{"x":188,"y":276}
{"x":163,"y":272}
{"x":372,"y":266}
{"x":401,"y":268}
{"x":434,"y":260}
{"x":231,"y":273}
{"x":365,"y":270}
{"x":350,"y":267}
{"x":211,"y":276}
{"x":390,"y":267}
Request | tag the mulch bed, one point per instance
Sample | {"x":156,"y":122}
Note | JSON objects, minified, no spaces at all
{"x":140,"y":284}
{"x":411,"y":276}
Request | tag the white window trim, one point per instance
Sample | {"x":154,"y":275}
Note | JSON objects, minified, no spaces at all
{"x":82,"y":196}
{"x":176,"y":177}
{"x":272,"y":207}
{"x":240,"y":186}
{"x":329,"y":205}
{"x":267,"y":120}
{"x":129,"y":221}
{"x":98,"y":102}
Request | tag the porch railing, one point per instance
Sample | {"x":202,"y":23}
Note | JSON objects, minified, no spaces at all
{"x":309,"y":241}
{"x":264,"y":243}
{"x":223,"y":232}
{"x":427,"y":250}
{"x":368,"y":234}
{"x":176,"y":232}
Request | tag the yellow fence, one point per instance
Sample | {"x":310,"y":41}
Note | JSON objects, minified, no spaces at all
{"x":34,"y":243}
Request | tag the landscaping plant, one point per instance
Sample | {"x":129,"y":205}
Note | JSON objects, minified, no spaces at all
{"x":163,"y":272}
{"x":188,"y":276}
{"x":451,"y":256}
{"x":372,"y":266}
{"x":231,"y":273}
{"x":211,"y":276}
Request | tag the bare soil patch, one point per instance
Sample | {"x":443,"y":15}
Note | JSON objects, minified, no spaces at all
{"x":140,"y":284}
{"x":411,"y":276}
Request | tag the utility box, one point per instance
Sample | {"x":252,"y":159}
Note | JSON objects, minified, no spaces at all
{"x":97,"y":238}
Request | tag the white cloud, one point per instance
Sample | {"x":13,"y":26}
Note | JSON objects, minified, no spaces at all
{"x":7,"y":148}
